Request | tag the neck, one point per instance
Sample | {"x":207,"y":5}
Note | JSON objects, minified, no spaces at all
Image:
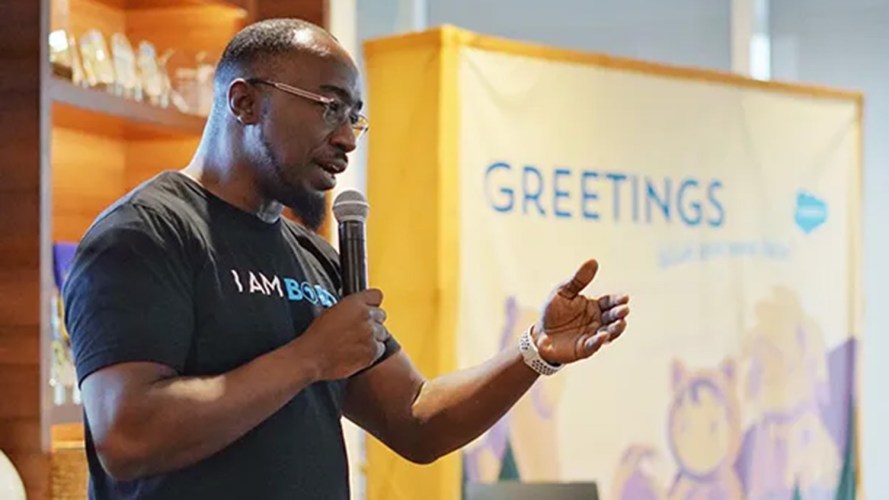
{"x":231,"y":179}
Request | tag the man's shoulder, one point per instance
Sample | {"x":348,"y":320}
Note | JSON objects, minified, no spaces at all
{"x":310,"y":240}
{"x":316,"y":245}
{"x":165,"y":196}
{"x":165,"y":200}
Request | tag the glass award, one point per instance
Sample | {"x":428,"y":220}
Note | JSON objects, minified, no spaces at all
{"x":127,"y":83}
{"x":152,"y":79}
{"x":206,"y":70}
{"x":98,"y":68}
{"x":77,"y":76}
{"x":60,"y":54}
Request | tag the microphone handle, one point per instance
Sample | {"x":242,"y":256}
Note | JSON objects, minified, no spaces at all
{"x":353,"y":257}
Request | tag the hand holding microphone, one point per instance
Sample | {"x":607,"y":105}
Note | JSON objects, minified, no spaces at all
{"x":350,"y":335}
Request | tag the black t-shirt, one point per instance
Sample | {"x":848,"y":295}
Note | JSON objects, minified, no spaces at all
{"x":174,"y":275}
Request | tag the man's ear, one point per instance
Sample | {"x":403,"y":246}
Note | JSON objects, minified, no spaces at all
{"x":243,"y":102}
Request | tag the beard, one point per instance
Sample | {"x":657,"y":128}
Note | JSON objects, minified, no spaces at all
{"x":309,"y":205}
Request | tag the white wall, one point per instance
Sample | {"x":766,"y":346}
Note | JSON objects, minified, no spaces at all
{"x":845,"y":43}
{"x":687,"y":32}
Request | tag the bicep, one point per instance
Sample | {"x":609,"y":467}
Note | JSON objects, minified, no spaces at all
{"x":111,"y":395}
{"x":379,"y":399}
{"x":128,"y":296}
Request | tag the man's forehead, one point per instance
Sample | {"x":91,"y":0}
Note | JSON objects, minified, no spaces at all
{"x":332,"y":74}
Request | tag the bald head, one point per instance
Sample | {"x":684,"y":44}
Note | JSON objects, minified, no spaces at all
{"x":261,"y":46}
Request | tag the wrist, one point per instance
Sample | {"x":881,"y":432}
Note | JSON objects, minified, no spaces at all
{"x":535,"y":338}
{"x":305,"y":367}
{"x":528,"y":346}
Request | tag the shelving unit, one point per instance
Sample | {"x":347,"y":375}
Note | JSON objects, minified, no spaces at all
{"x":69,"y":152}
{"x":160,"y":4}
{"x":103,"y":113}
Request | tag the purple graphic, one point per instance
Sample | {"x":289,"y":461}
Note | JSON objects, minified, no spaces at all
{"x":494,"y":441}
{"x":801,"y":447}
{"x":637,"y":483}
{"x":704,"y":432}
{"x":535,"y":454}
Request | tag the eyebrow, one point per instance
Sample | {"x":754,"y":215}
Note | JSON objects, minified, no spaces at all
{"x":344,"y":95}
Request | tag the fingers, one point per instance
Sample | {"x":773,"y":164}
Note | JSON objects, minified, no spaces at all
{"x":377,"y":315}
{"x":612,"y":326}
{"x":613,"y":300}
{"x":380,"y":333}
{"x":381,"y":349}
{"x":615,"y":313}
{"x":580,"y":280}
{"x":613,"y":330}
{"x":371,"y":296}
{"x":588,"y":344}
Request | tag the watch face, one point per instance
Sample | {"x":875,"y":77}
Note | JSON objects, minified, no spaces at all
{"x":127,"y":83}
{"x":97,"y":65}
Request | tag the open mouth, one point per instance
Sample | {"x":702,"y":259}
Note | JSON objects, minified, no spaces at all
{"x":329,"y":171}
{"x":332,"y":167}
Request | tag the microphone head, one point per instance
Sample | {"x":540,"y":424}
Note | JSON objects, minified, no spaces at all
{"x":350,"y":205}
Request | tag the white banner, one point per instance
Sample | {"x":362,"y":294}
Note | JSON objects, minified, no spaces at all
{"x":728,"y":213}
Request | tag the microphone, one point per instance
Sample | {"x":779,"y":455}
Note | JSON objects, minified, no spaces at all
{"x":350,"y":209}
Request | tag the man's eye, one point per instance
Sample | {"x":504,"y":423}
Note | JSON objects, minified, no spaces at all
{"x":336,"y":108}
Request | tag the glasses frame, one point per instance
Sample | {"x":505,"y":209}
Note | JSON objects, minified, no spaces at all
{"x":359,"y":128}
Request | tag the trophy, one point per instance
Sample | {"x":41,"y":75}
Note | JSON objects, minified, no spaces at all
{"x":205,"y":73}
{"x":153,"y":81}
{"x":77,"y":76}
{"x":172,"y":93}
{"x":60,"y":54}
{"x":127,"y":83}
{"x":98,"y":68}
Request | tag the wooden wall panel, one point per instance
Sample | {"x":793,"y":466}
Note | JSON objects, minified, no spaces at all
{"x":188,"y":30}
{"x":84,"y":182}
{"x":80,"y":16}
{"x":19,"y":247}
{"x":18,"y":347}
{"x":146,"y":158}
{"x":21,"y":37}
{"x":310,"y":10}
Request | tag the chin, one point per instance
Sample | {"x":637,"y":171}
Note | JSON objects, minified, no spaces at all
{"x":308,"y":204}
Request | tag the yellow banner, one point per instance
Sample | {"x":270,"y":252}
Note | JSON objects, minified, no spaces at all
{"x":729,"y":209}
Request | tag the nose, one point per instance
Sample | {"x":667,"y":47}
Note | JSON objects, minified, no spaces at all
{"x":344,"y":138}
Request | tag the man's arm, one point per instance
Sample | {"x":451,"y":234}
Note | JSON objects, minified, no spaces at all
{"x":424,"y":419}
{"x":147,"y":420}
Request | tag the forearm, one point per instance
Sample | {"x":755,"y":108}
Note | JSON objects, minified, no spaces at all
{"x":452,"y":410}
{"x":179,"y":421}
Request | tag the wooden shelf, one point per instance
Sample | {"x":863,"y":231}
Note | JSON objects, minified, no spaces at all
{"x":107,"y":114}
{"x":163,"y":4}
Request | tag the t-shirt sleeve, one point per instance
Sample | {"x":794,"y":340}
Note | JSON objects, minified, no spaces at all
{"x":128,"y":295}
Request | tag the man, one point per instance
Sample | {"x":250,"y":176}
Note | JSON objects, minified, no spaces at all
{"x":214,"y":353}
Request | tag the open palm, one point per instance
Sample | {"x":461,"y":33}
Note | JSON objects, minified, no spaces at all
{"x":573,"y":326}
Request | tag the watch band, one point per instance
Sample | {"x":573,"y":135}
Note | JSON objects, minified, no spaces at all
{"x":532,"y":356}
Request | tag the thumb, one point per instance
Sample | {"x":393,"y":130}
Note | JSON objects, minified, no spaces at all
{"x":580,"y":280}
{"x":372,"y":297}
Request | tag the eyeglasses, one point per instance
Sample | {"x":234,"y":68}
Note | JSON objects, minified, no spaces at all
{"x":336,"y":113}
